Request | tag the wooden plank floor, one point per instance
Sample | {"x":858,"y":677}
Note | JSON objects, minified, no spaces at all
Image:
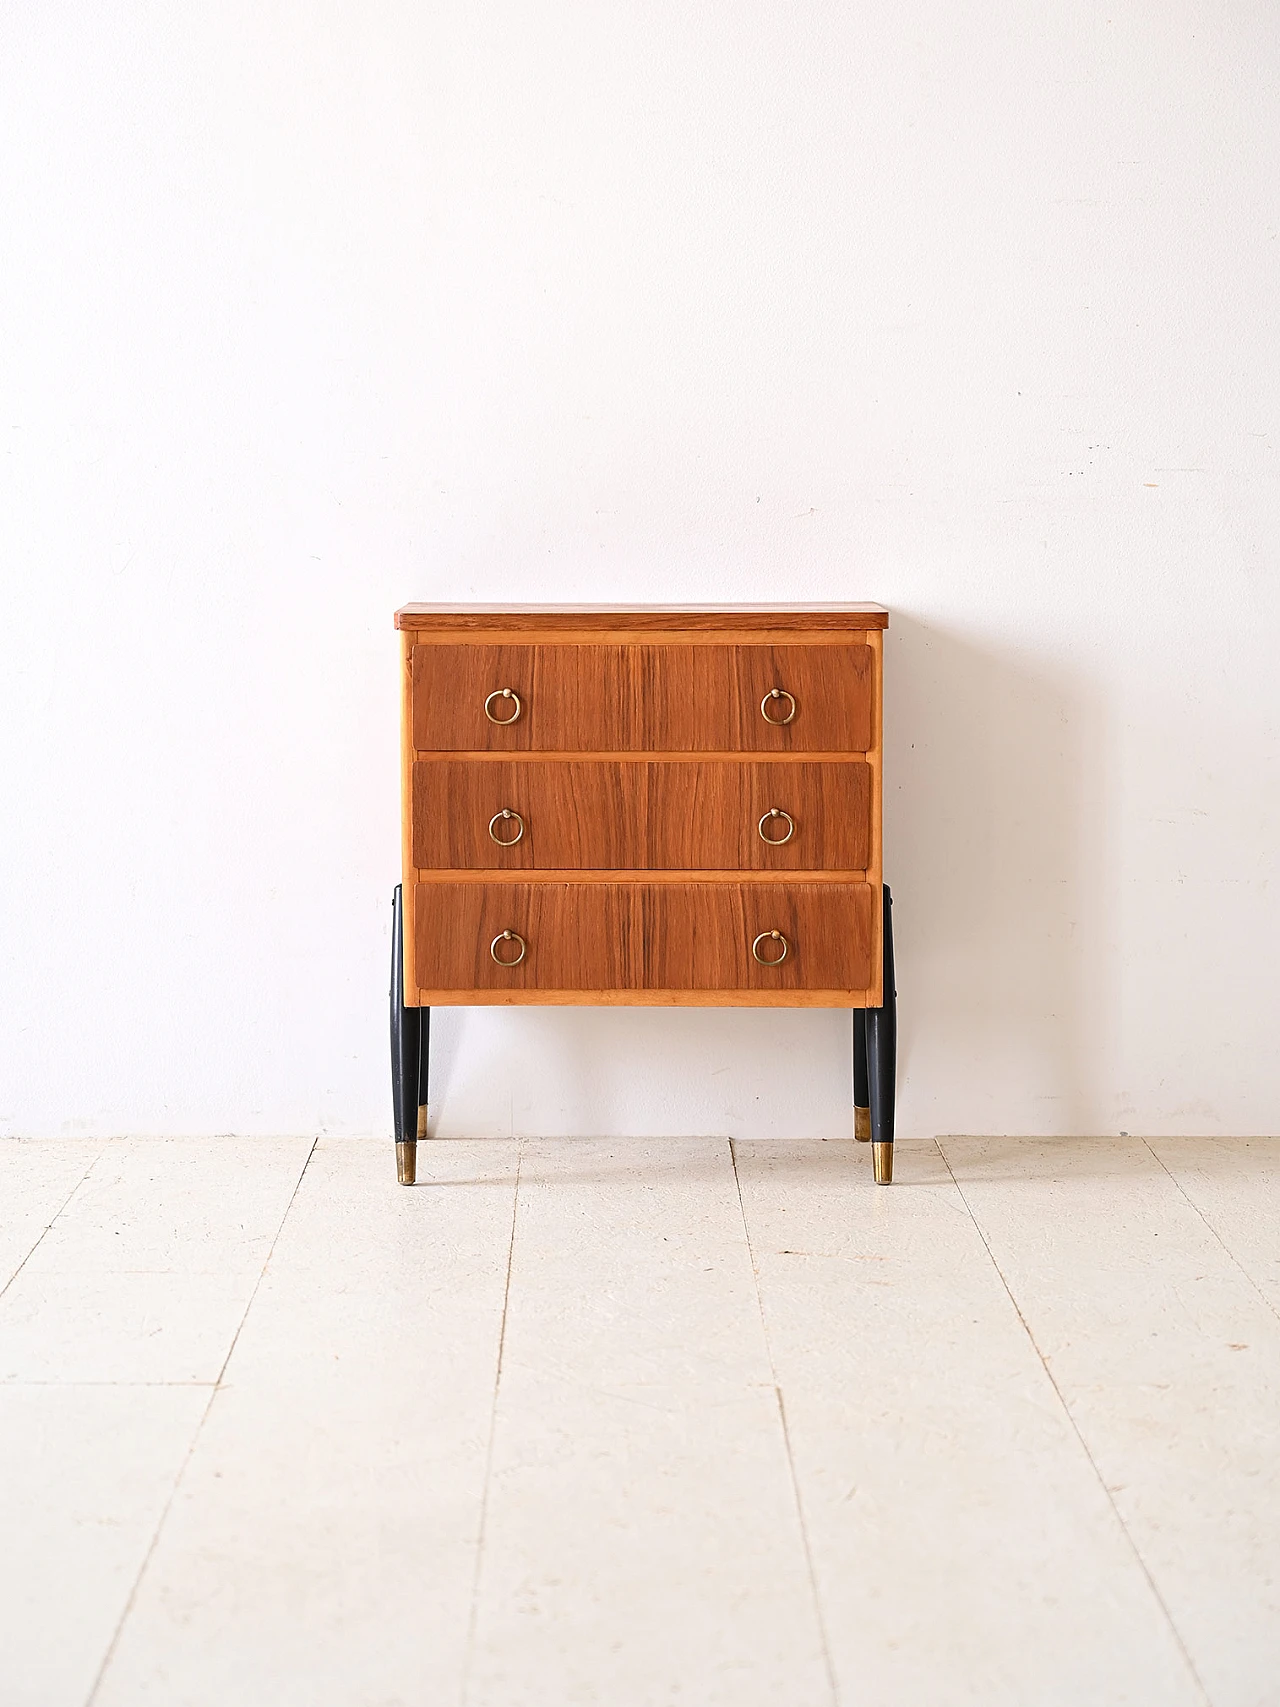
{"x":639,"y":1422}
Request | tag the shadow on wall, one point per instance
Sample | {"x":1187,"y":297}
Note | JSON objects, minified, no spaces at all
{"x":995,"y":848}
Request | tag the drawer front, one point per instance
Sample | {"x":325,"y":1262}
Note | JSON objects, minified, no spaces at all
{"x":679,"y":698}
{"x":641,"y":815}
{"x":643,"y":936}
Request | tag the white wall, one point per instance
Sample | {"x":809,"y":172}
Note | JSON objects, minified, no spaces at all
{"x":310,"y":309}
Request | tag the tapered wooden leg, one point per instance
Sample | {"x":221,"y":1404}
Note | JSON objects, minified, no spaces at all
{"x":407,"y":1037}
{"x":882,"y":1059}
{"x":861,"y":1096}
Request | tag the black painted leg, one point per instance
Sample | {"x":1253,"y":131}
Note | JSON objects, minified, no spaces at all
{"x":424,"y":1059}
{"x":882,"y":1059}
{"x":408,"y":1057}
{"x":861,"y":1096}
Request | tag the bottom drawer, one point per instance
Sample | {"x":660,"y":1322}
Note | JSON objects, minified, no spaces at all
{"x":601,"y":937}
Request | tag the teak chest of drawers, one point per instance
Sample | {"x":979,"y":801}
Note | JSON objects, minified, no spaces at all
{"x":662,"y":805}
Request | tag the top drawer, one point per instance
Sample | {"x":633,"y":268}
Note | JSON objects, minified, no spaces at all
{"x":608,"y":698}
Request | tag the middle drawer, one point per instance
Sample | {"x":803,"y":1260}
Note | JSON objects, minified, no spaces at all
{"x":641,"y":815}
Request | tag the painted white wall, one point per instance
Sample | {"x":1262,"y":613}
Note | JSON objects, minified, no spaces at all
{"x":308,"y":310}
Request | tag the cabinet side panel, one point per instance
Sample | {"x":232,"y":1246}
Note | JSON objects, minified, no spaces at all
{"x":408,"y":900}
{"x":875,"y":863}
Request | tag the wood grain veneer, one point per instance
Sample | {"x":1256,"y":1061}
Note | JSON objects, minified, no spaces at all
{"x":643,"y":698}
{"x":641,"y":814}
{"x":637,"y":936}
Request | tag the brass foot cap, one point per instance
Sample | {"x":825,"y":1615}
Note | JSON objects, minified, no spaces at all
{"x":422,"y":1120}
{"x":407,"y":1160}
{"x":862,"y":1124}
{"x":882,"y":1163}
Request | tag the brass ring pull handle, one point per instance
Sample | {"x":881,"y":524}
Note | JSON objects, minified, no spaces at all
{"x":776,"y":841}
{"x":778,"y":693}
{"x":503,"y":693}
{"x":770,"y":936}
{"x":507,"y":936}
{"x":506,"y":841}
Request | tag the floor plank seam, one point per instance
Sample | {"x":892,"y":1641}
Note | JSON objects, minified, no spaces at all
{"x":1076,"y":1430}
{"x":72,"y":1386}
{"x":57,"y":1217}
{"x":195,"y":1439}
{"x":1230,"y":1254}
{"x":827,"y":1659}
{"x":473,"y":1617}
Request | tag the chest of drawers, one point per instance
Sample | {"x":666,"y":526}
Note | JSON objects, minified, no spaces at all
{"x":657,"y":805}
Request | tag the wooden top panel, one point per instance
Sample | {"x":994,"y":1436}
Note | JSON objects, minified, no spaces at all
{"x":642,"y":619}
